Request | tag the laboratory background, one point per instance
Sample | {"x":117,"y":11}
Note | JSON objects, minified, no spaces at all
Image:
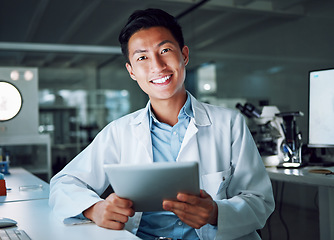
{"x":63,"y":78}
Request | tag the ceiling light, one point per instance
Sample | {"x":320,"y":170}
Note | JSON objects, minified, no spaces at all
{"x":15,"y":75}
{"x":207,"y":86}
{"x":28,"y":75}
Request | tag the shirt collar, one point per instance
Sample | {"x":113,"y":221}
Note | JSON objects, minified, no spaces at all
{"x":201,"y":117}
{"x":186,"y":111}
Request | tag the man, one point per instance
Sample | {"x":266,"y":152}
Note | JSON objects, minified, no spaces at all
{"x":236,"y":197}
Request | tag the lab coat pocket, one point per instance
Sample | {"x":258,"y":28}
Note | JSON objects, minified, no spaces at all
{"x":216,"y":184}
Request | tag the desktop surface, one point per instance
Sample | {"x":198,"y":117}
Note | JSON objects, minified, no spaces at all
{"x":324,"y":183}
{"x":38,"y":221}
{"x":22,"y":186}
{"x":27,"y":204}
{"x":302,"y":175}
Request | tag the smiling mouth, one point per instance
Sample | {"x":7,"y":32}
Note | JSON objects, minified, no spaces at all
{"x":161,"y":80}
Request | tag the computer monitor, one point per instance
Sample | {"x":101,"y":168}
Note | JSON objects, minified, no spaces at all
{"x":321,"y":109}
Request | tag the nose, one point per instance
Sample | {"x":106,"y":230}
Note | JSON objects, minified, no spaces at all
{"x":157,"y":63}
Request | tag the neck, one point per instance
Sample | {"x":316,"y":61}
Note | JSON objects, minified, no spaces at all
{"x":167,"y":111}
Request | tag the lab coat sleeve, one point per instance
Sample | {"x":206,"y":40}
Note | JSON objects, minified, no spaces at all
{"x":249,"y":199}
{"x":80,"y":184}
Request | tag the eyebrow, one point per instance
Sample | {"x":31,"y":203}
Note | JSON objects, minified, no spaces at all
{"x":159,"y":45}
{"x":139,"y":51}
{"x":164,"y":42}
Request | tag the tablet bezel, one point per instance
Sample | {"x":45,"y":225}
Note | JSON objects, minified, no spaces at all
{"x":147,"y":185}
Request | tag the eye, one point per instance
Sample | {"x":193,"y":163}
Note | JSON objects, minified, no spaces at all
{"x":141,"y":58}
{"x":165,"y":50}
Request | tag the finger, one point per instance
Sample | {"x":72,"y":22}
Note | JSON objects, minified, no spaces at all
{"x":129,"y":212}
{"x":193,"y":220}
{"x":204,"y":194}
{"x":118,"y":201}
{"x":111,"y":219}
{"x":182,"y":209}
{"x":118,"y":217}
{"x":188,"y":198}
{"x":110,"y":224}
{"x":124,"y":203}
{"x":112,"y":209}
{"x":119,"y":205}
{"x":193,"y":215}
{"x":169,"y":205}
{"x":202,"y":201}
{"x":116,"y":225}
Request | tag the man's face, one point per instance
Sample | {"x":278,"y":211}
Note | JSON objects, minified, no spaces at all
{"x":157,"y":63}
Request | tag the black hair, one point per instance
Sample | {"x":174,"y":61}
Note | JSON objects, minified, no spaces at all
{"x":144,"y":19}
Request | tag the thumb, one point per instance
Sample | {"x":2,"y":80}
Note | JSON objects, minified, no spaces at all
{"x":204,"y":194}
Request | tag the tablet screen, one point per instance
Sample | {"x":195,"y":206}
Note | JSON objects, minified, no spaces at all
{"x":147,"y":185}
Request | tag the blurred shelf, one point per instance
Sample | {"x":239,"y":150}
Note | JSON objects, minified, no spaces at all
{"x":34,"y":166}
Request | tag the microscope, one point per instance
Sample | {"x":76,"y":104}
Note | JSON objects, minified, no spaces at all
{"x":275,"y":134}
{"x":266,"y":129}
{"x":292,"y":144}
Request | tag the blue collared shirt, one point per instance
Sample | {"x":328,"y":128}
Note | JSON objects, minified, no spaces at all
{"x":166,"y":143}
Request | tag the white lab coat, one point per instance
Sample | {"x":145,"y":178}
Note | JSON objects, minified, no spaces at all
{"x":231,"y":169}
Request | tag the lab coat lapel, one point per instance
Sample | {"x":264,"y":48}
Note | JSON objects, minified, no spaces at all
{"x":143,"y":135}
{"x":189,"y":149}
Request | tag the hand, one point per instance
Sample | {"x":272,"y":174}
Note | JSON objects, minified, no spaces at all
{"x":196,"y":211}
{"x":112,"y":213}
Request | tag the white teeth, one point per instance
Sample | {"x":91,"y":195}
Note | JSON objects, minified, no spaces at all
{"x":161,"y":80}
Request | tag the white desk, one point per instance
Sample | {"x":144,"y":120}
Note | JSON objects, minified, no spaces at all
{"x":325,"y":184}
{"x":29,"y":207}
{"x":24,"y":186}
{"x":37,"y":219}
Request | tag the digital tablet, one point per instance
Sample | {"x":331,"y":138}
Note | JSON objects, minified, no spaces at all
{"x":147,"y":185}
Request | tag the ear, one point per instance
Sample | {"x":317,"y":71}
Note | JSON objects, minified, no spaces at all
{"x":129,"y":68}
{"x":185,"y":54}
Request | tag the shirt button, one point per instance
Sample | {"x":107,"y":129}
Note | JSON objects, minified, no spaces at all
{"x":174,"y":133}
{"x":179,"y":223}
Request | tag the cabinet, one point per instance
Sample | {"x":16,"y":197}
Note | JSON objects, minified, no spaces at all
{"x":61,"y":123}
{"x":32,"y":152}
{"x":73,"y":118}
